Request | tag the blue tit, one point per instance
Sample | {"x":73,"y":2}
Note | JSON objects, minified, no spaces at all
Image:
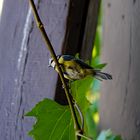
{"x":76,"y":69}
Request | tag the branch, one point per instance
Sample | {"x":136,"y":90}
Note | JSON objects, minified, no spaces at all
{"x":53,"y":55}
{"x":87,"y":138}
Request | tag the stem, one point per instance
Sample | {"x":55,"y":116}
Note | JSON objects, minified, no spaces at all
{"x":87,"y":138}
{"x":80,"y":114}
{"x":50,"y":47}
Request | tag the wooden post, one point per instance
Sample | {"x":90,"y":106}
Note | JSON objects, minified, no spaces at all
{"x":119,"y":105}
{"x":24,"y":74}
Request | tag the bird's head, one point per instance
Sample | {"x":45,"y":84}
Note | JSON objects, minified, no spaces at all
{"x":52,"y":63}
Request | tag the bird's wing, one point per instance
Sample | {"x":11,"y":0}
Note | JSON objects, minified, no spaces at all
{"x":82,"y":64}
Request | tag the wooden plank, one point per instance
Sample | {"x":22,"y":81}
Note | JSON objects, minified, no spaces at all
{"x":75,"y":26}
{"x":119,"y":105}
{"x":24,"y":76}
{"x":90,"y":29}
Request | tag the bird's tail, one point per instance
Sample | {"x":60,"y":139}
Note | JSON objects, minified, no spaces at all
{"x":101,"y":75}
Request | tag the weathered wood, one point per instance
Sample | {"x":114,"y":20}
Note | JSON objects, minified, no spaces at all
{"x":75,"y":26}
{"x":90,"y":29}
{"x":81,"y":27}
{"x":119,"y":105}
{"x":24,"y":76}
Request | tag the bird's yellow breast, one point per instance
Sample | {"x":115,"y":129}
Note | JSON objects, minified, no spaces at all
{"x":72,"y":70}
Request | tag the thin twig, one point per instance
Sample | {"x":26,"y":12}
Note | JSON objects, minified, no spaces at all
{"x":81,"y":135}
{"x":77,"y":107}
{"x":80,"y":114}
{"x":50,"y":47}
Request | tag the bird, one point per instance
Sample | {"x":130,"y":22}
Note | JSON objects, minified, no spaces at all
{"x":75,"y":69}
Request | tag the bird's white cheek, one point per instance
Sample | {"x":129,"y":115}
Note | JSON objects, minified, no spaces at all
{"x":53,"y":64}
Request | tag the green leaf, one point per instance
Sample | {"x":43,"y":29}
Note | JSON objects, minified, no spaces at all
{"x":108,"y":135}
{"x":100,"y":66}
{"x":79,"y":90}
{"x":53,"y":121}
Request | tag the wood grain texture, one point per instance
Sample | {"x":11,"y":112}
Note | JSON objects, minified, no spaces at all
{"x":90,"y":29}
{"x":75,"y":26}
{"x":119,"y":105}
{"x":81,"y":27}
{"x":25,"y":77}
